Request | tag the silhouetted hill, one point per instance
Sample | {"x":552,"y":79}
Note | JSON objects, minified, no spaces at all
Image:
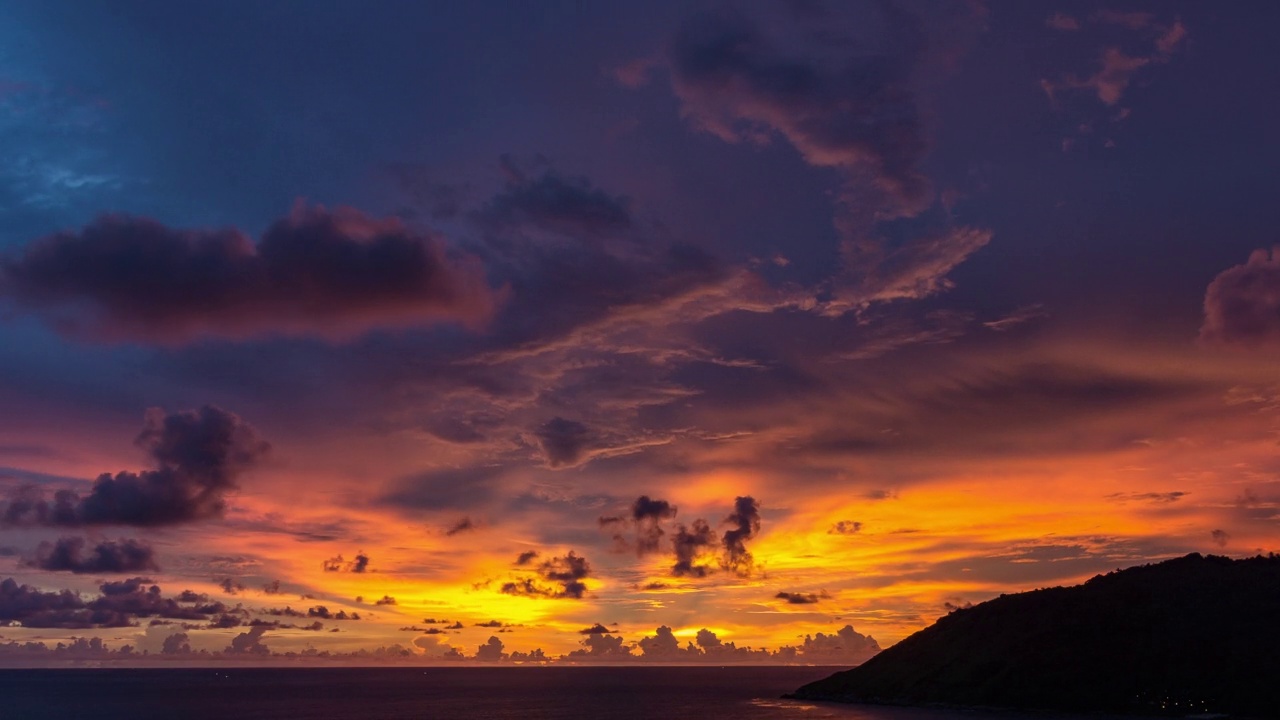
{"x":1190,"y":635}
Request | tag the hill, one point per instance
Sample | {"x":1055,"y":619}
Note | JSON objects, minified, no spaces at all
{"x":1185,"y":636}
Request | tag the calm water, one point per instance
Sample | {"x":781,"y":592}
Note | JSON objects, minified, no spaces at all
{"x":564,"y":693}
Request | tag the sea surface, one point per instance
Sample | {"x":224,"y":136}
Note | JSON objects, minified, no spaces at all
{"x":563,"y":693}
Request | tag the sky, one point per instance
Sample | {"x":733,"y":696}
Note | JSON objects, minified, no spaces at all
{"x":639,"y":331}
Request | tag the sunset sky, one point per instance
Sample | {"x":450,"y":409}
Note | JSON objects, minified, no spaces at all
{"x":767,"y":318}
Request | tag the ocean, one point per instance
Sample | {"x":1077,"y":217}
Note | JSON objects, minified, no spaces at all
{"x":367,"y":693}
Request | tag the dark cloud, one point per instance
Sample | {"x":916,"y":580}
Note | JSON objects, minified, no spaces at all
{"x":228,"y":620}
{"x":645,"y":508}
{"x":1152,"y":497}
{"x":339,"y":564}
{"x":745,"y":522}
{"x":566,"y":572}
{"x":689,"y":543}
{"x":231,"y":586}
{"x":31,"y":607}
{"x":1220,"y":537}
{"x":556,"y":203}
{"x":323,"y":612}
{"x":199,"y":454}
{"x":491,"y":651}
{"x":563,"y":441}
{"x":845,"y":527}
{"x":176,"y":644}
{"x":596,"y":629}
{"x":646,"y":516}
{"x":249,"y":643}
{"x":845,"y":646}
{"x":799,"y":598}
{"x":601,"y":646}
{"x":120,"y":604}
{"x":314,"y":272}
{"x":526,"y":557}
{"x":285,"y":612}
{"x":108,"y":556}
{"x":853,"y":112}
{"x":661,"y":645}
{"x":1242,"y":304}
{"x":386,"y":600}
{"x":446,"y":489}
{"x":461,"y":526}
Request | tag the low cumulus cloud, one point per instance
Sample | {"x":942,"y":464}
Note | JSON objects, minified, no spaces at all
{"x":199,"y":456}
{"x":120,"y":604}
{"x":314,"y":272}
{"x":109,"y":556}
{"x":249,"y":642}
{"x":1242,"y":304}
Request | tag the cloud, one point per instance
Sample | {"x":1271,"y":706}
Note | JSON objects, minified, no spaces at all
{"x":332,"y":273}
{"x":843,"y":100}
{"x":199,"y":455}
{"x":689,"y":543}
{"x":231,"y":586}
{"x":745,"y":520}
{"x":646,"y":516}
{"x":1118,"y":68}
{"x":324,"y":613}
{"x":1162,"y":498}
{"x":596,"y":629}
{"x":845,"y":527}
{"x":601,"y":646}
{"x":119,"y":605}
{"x":1220,"y":537}
{"x":798,"y":598}
{"x":563,"y":442}
{"x":339,"y":564}
{"x":461,"y":526}
{"x":913,"y":270}
{"x":526,"y":557}
{"x":386,"y":600}
{"x":32,"y":608}
{"x":249,"y":643}
{"x":851,"y":112}
{"x":491,"y":651}
{"x":845,"y":646}
{"x":1242,"y":304}
{"x":1017,"y":318}
{"x":176,"y":644}
{"x":108,"y":556}
{"x":555,"y":203}
{"x":567,"y":572}
{"x":661,"y":645}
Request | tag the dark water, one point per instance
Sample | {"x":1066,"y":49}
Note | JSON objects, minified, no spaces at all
{"x":565,"y":693}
